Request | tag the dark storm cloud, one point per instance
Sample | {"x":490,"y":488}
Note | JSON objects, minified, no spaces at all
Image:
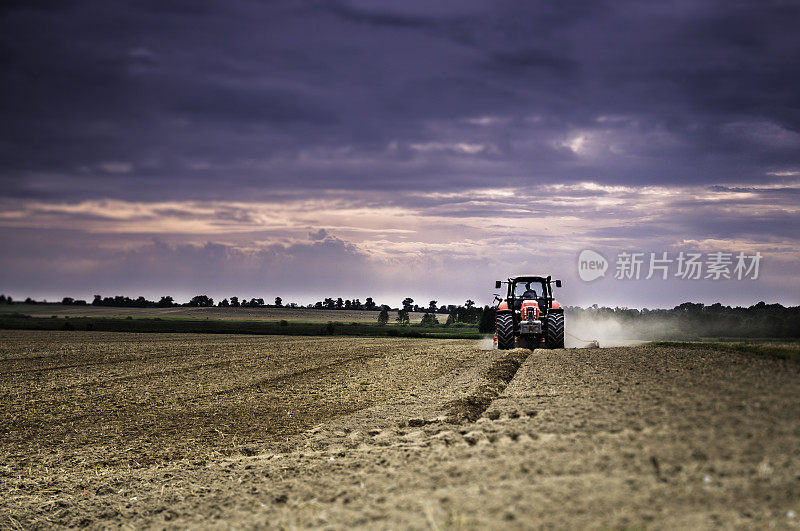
{"x":181,"y":96}
{"x":150,"y":144}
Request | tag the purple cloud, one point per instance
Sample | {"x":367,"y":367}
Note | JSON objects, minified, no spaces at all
{"x":425,"y":138}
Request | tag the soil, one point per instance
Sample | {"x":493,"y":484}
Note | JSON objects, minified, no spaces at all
{"x":190,"y":431}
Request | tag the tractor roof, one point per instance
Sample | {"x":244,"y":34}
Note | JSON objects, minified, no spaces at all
{"x":528,"y":279}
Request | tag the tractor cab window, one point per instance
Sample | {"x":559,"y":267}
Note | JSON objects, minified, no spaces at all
{"x":528,"y":290}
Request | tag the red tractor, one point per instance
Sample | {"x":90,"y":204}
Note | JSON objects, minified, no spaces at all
{"x":529,"y":316}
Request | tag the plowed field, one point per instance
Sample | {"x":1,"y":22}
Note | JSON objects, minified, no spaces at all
{"x":106,"y":429}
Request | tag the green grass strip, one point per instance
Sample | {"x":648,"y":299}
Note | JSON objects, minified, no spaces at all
{"x":210,"y":326}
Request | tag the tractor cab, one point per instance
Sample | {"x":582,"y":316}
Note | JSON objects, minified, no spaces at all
{"x":529,"y":292}
{"x":529,"y":316}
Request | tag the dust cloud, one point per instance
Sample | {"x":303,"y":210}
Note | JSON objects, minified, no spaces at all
{"x":486,"y":343}
{"x":608,"y":331}
{"x":582,"y":329}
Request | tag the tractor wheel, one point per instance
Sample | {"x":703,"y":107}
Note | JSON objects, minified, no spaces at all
{"x":554,"y":333}
{"x":505,"y":331}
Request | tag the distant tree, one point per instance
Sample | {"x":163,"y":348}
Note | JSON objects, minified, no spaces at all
{"x":383,"y":317}
{"x":695,"y":307}
{"x":67,"y":300}
{"x":278,"y":301}
{"x":9,"y":300}
{"x":329,"y":303}
{"x":165,"y":302}
{"x":318,"y":305}
{"x":429,"y":319}
{"x":469,"y":303}
{"x":2,"y":299}
{"x":402,"y":317}
{"x":466,"y":314}
{"x":292,"y":305}
{"x":28,"y":300}
{"x":432,"y":306}
{"x":369,"y":304}
{"x":347,"y":304}
{"x":407,"y":302}
{"x":235,"y":302}
{"x":223,"y":303}
{"x":356,"y":304}
{"x":339,"y":303}
{"x":486,"y":324}
{"x":201,"y":300}
{"x":442,"y":309}
{"x":118,"y":300}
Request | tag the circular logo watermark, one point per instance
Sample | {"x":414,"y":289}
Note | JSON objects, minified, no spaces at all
{"x":591,"y":265}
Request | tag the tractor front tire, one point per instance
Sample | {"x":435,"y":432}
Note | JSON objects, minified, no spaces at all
{"x":505,"y":331}
{"x":554,"y":333}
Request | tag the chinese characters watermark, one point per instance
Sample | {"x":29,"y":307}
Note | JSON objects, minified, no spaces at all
{"x":665,"y":265}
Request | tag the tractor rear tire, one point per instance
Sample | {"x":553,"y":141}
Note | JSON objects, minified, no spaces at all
{"x":554,"y":333}
{"x":505,"y":331}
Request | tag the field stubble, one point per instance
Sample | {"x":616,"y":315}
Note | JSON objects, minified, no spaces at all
{"x":105,"y":400}
{"x":183,"y":431}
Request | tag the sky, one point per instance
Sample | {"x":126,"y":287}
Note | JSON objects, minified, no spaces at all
{"x":360,"y":148}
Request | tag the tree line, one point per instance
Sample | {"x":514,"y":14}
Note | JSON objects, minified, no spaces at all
{"x":329,"y":303}
{"x":468,"y":314}
{"x":687,"y":320}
